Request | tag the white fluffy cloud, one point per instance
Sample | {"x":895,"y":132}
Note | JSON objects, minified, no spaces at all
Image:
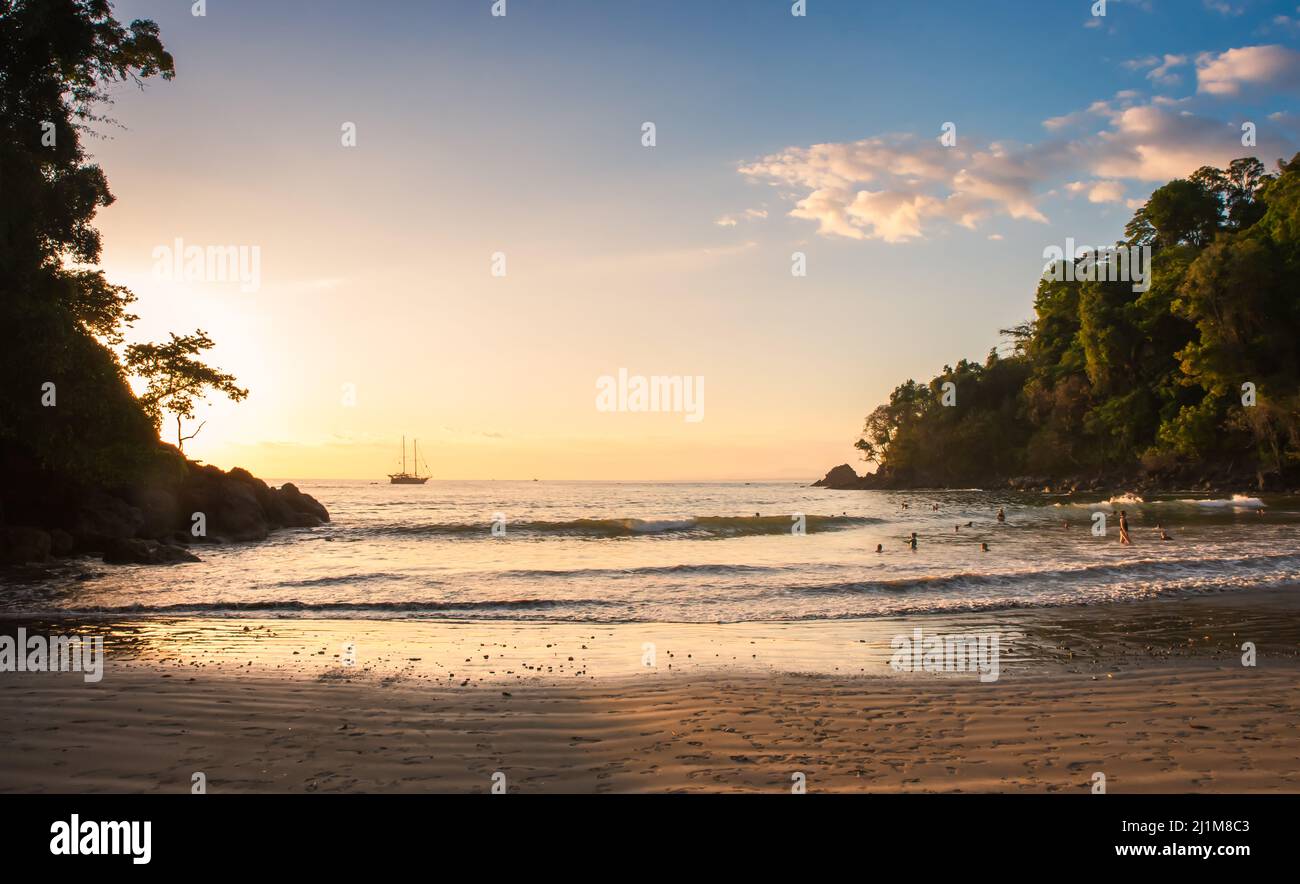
{"x":897,"y":188}
{"x":1098,"y":191}
{"x":1227,"y":73}
{"x":890,"y":188}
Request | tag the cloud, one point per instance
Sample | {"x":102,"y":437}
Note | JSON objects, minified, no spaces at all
{"x":1229,"y":72}
{"x":747,"y":215}
{"x":899,"y":188}
{"x":1223,"y":8}
{"x":1156,"y":143}
{"x":1098,"y":191}
{"x":1287,"y":23}
{"x":1161,"y":72}
{"x":1158,"y":68}
{"x":891,"y":187}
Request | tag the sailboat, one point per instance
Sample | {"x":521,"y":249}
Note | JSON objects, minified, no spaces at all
{"x":405,"y":478}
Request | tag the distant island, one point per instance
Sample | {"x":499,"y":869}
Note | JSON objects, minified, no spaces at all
{"x":82,"y":469}
{"x":1191,"y":383}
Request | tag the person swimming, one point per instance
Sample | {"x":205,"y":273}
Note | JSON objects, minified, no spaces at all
{"x":956,"y":529}
{"x":984,"y":547}
{"x":880,"y":547}
{"x":1164,"y":535}
{"x":1002,"y":514}
{"x":1124,"y":539}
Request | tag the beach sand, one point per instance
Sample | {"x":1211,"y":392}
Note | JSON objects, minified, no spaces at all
{"x":1153,"y":695}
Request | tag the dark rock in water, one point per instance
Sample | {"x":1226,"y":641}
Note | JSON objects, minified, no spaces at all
{"x":303,"y":503}
{"x":238,"y":513}
{"x":146,"y":552}
{"x":155,"y":508}
{"x":842,"y":477}
{"x":20,"y":544}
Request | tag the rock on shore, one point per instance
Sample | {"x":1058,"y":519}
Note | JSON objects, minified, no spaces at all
{"x":841,"y":478}
{"x":150,"y":522}
{"x":1223,"y":480}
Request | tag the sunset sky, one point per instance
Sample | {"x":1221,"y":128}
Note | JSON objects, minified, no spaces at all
{"x":523,"y":135}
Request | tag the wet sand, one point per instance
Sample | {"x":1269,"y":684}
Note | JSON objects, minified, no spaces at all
{"x":1153,"y":695}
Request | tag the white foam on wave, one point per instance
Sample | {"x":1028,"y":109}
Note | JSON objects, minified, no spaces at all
{"x":1117,"y":500}
{"x":1242,"y":501}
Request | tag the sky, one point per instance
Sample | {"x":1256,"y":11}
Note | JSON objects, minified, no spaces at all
{"x":461,"y":228}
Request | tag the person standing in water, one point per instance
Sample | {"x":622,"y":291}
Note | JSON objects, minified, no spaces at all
{"x":1124,"y":539}
{"x":912,"y":541}
{"x":1002,"y":514}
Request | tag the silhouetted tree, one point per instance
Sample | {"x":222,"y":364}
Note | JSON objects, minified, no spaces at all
{"x":58,"y":62}
{"x":176,"y":380}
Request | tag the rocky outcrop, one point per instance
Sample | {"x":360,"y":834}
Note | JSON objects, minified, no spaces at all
{"x":146,"y":522}
{"x":1225,"y":479}
{"x":303,"y":504}
{"x":146,"y":552}
{"x":22,"y":543}
{"x":101,"y":518}
{"x":840,"y":478}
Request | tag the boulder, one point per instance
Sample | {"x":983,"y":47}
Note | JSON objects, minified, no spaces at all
{"x":154,"y":512}
{"x":102,"y":518}
{"x":302,"y":503}
{"x":20,"y":544}
{"x":841,"y":477}
{"x":160,"y":511}
{"x":145,"y":552}
{"x":237,"y":513}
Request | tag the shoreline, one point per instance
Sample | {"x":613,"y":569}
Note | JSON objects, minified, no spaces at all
{"x":1036,"y":637}
{"x":845,"y":478}
{"x":1156,"y":698}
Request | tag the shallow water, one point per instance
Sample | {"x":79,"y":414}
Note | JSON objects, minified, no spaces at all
{"x":610,"y":552}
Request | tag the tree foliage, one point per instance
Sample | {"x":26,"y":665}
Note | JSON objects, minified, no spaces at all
{"x":1106,"y":379}
{"x":65,"y":400}
{"x":177,"y":381}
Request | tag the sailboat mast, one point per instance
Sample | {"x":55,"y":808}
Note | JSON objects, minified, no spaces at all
{"x":415,"y":456}
{"x":403,"y":455}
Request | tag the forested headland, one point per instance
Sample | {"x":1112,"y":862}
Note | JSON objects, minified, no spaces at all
{"x":1192,"y":383}
{"x":82,"y":469}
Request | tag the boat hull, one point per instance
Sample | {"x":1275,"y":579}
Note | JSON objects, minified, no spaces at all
{"x":407,"y":480}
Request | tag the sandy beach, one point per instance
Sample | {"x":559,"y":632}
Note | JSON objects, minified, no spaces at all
{"x":1154,"y":695}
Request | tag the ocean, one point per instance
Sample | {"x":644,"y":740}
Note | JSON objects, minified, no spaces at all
{"x":608,"y":552}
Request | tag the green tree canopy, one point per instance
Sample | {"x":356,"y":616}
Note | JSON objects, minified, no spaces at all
{"x":1104,"y":378}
